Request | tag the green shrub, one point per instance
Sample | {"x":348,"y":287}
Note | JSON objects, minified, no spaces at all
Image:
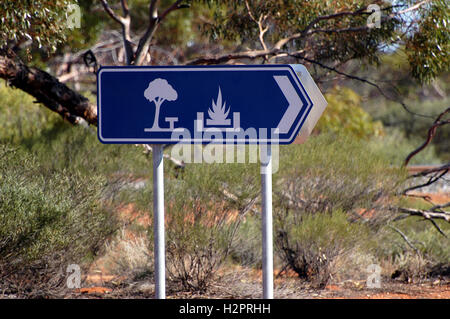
{"x":63,"y":146}
{"x":204,"y":206}
{"x":431,"y":249}
{"x":59,"y":145}
{"x":310,"y":246}
{"x":247,"y":250}
{"x":344,"y":114}
{"x":321,"y":191}
{"x":48,"y":219}
{"x":332,"y":172}
{"x":414,"y":129}
{"x":202,"y":220}
{"x":395,"y":147}
{"x":20,"y":118}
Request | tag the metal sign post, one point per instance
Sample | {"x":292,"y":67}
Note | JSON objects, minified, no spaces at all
{"x":158,"y":221}
{"x":237,"y":104}
{"x":267,"y":234}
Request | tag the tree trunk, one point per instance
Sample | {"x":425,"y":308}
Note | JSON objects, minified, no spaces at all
{"x":47,"y":89}
{"x":156,"y":120}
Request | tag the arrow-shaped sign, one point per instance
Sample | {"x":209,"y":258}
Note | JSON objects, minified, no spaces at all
{"x":221,"y":104}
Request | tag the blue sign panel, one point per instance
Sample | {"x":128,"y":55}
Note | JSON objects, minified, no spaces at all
{"x":219,"y":104}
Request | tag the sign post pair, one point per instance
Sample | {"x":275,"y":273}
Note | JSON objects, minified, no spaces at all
{"x":254,"y":104}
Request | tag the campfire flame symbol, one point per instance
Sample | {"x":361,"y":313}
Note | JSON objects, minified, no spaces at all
{"x":219,"y":113}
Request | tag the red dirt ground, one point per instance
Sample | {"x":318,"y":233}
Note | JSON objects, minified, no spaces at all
{"x":408,"y":292}
{"x":355,"y":290}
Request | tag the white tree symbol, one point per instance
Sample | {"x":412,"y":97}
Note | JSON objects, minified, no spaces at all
{"x":158,"y":91}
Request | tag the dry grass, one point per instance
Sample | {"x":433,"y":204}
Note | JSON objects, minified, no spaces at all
{"x":127,"y":255}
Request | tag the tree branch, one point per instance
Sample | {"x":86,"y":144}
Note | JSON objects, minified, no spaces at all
{"x":328,"y":17}
{"x":276,"y":50}
{"x":439,"y":207}
{"x":259,"y":22}
{"x":306,"y":31}
{"x":175,"y":6}
{"x":125,"y":8}
{"x":414,"y":7}
{"x":432,"y":180}
{"x":125,"y":23}
{"x":431,"y":133}
{"x":144,"y":42}
{"x":437,"y":227}
{"x":445,"y":167}
{"x":405,"y":238}
{"x":219,"y":59}
{"x":110,"y":12}
{"x":426,"y":213}
{"x":154,"y":21}
{"x":47,"y":89}
{"x":354,"y":77}
{"x":126,"y":33}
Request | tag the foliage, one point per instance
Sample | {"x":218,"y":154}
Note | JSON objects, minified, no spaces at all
{"x":42,"y":22}
{"x":430,"y":253}
{"x":128,"y":254}
{"x":428,"y":47}
{"x":338,"y":179}
{"x":231,"y":20}
{"x":178,"y":30}
{"x":201,"y":221}
{"x":199,"y":243}
{"x":48,"y":219}
{"x":424,"y":101}
{"x":426,"y":41}
{"x":415,"y":128}
{"x":344,"y":114}
{"x":320,"y":192}
{"x":332,"y":172}
{"x":90,"y":28}
{"x":246,"y":250}
{"x":198,"y":190}
{"x":423,"y":33}
{"x":310,"y":245}
{"x":180,"y":27}
{"x":394,"y":147}
{"x":58,"y":145}
{"x":20,"y":119}
{"x":78,"y":149}
{"x":202,"y":224}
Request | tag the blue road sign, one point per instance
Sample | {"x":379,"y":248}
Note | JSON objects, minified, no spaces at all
{"x":203,"y":104}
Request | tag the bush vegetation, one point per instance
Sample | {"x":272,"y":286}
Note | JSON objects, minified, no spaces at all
{"x":48,"y":220}
{"x":310,"y":247}
{"x":322,"y":192}
{"x":411,"y":131}
{"x":205,"y":205}
{"x":428,"y":251}
{"x":344,"y":114}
